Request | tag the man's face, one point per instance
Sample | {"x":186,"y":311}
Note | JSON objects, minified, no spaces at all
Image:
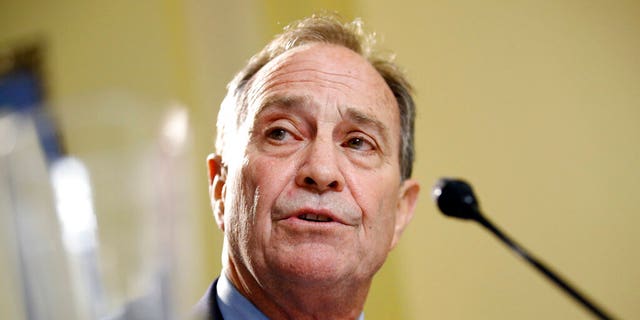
{"x":313,"y":191}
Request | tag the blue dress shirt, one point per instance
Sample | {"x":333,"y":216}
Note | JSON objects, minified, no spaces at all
{"x":234,"y":306}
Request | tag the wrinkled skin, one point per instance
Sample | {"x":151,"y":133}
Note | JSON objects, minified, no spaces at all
{"x":312,"y":201}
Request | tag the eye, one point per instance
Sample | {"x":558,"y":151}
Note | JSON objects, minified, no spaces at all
{"x":277,"y":134}
{"x":359,"y":143}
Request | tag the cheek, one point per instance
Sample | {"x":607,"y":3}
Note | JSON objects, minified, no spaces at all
{"x":247,"y":225}
{"x":266,"y":178}
{"x":378,"y":202}
{"x":238,"y":204}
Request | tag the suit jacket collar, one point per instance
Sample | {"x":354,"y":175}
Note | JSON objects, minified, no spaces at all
{"x":207,"y":308}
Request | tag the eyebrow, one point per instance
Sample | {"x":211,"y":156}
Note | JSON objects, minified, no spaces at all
{"x":362,"y":118}
{"x":286,"y":102}
{"x":349,"y":113}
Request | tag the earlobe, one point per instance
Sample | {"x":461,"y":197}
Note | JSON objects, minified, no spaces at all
{"x":216,"y":187}
{"x":407,"y":200}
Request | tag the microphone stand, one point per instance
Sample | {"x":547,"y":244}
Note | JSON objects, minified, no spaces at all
{"x":543,"y":269}
{"x":455,"y":198}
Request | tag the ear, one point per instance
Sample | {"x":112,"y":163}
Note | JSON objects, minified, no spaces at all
{"x":217,"y":187}
{"x":407,"y":199}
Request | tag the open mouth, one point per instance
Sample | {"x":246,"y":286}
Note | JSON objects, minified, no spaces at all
{"x":314,"y":217}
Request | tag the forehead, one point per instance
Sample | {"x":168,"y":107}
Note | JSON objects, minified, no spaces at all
{"x":329,"y":74}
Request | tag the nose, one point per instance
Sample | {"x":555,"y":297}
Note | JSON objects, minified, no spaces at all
{"x":320,"y":170}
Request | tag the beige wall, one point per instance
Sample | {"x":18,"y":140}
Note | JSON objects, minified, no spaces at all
{"x":535,"y":103}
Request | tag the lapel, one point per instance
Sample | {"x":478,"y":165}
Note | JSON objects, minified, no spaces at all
{"x":207,"y":308}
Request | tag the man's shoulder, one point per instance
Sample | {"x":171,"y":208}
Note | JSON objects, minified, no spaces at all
{"x":207,"y":308}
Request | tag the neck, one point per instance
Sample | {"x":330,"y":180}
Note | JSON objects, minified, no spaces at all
{"x":283,"y":299}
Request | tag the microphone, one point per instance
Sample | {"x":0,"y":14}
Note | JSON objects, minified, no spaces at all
{"x":455,"y":198}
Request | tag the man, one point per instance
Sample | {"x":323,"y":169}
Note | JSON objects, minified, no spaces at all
{"x":310,"y":182}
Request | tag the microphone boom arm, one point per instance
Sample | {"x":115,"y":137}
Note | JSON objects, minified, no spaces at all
{"x":455,"y":198}
{"x":567,"y":287}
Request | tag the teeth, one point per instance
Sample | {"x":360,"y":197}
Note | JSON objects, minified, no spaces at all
{"x":314,"y":217}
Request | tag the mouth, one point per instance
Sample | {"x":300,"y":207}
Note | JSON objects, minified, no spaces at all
{"x":314,"y":217}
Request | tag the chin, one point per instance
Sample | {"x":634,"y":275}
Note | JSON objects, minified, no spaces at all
{"x":313,"y":264}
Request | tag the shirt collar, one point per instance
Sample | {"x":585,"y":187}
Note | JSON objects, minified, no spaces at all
{"x":234,"y":306}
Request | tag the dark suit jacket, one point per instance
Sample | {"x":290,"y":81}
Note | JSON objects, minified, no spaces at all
{"x":207,"y":308}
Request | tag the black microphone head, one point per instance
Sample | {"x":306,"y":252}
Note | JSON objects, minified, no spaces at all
{"x":455,"y":198}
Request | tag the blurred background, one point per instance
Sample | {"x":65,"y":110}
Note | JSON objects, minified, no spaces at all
{"x":108,"y":112}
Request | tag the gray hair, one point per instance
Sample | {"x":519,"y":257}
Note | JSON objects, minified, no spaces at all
{"x":327,"y":29}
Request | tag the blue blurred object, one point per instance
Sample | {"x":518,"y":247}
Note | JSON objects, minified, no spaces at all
{"x":21,"y":91}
